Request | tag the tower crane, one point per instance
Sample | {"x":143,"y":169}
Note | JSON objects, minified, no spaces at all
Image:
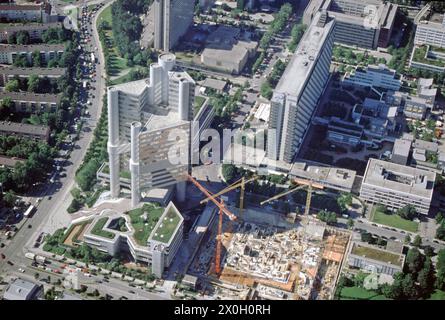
{"x":222,"y":209}
{"x":309,"y":184}
{"x":241,"y":183}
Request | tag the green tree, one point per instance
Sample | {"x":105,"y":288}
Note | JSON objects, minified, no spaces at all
{"x":229,"y":172}
{"x":440,"y":232}
{"x":344,"y":201}
{"x":22,"y":37}
{"x":350,"y":223}
{"x":426,"y":278}
{"x":34,"y":83}
{"x":408,"y":212}
{"x":414,"y":260}
{"x":417,"y":242}
{"x":12,"y":86}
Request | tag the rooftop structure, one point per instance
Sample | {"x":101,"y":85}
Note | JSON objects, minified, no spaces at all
{"x":215,"y":84}
{"x":228,"y":50}
{"x":400,"y":151}
{"x":10,"y":52}
{"x":27,"y":12}
{"x":373,"y":76}
{"x":374,"y":259}
{"x":430,"y":32}
{"x":330,"y":177}
{"x":299,"y":89}
{"x":396,"y":186}
{"x":24,"y":130}
{"x":9,"y":73}
{"x":9,"y":161}
{"x":20,"y":289}
{"x":35,"y":30}
{"x":26,"y":102}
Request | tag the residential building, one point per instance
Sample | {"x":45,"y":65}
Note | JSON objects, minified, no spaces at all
{"x":35,"y":30}
{"x":20,"y":289}
{"x":299,"y":90}
{"x":160,"y":248}
{"x":26,"y":131}
{"x":395,"y":186}
{"x":10,"y":73}
{"x":366,"y":24}
{"x":228,"y":50}
{"x":373,"y":76}
{"x":172,"y":20}
{"x":144,"y":119}
{"x":9,"y":53}
{"x":26,"y":102}
{"x":39,"y":12}
{"x":373,"y":259}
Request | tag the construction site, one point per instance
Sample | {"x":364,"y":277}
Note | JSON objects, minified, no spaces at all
{"x":259,"y":253}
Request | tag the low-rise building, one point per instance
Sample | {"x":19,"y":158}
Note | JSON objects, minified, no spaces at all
{"x":10,"y":73}
{"x":401,"y":151}
{"x":26,"y":102}
{"x":26,"y":12}
{"x":343,"y":132}
{"x":228,"y":50}
{"x":430,"y":32}
{"x":10,"y":52}
{"x":20,"y":289}
{"x":374,"y":259}
{"x":35,"y":30}
{"x":23,"y":130}
{"x":373,"y":76}
{"x":105,"y":234}
{"x":395,"y":186}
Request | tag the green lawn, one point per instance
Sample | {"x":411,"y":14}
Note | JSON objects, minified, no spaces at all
{"x":143,"y":227}
{"x":376,"y":254}
{"x":394,"y":220}
{"x":438,"y":295}
{"x":168,"y":225}
{"x":105,"y":16}
{"x":199,"y":101}
{"x":357,"y":293}
{"x":98,"y":229}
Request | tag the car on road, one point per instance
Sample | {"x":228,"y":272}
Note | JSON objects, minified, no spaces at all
{"x":21,"y":270}
{"x":131,"y":291}
{"x":374,"y":225}
{"x":393,"y":238}
{"x":10,"y":262}
{"x":3,"y":256}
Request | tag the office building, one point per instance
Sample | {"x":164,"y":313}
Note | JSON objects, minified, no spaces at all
{"x":144,"y":119}
{"x":9,"y":53}
{"x":373,"y":259}
{"x":26,"y":131}
{"x":35,"y":30}
{"x":299,"y":90}
{"x":20,"y":289}
{"x":102,"y":231}
{"x":366,"y":24}
{"x":373,"y":76}
{"x":11,"y":73}
{"x":172,"y":20}
{"x":228,"y":50}
{"x":431,"y":32}
{"x":395,"y":186}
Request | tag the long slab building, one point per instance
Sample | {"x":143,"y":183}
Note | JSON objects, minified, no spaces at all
{"x":299,"y":89}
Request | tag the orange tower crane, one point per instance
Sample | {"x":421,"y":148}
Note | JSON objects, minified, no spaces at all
{"x":222,"y":209}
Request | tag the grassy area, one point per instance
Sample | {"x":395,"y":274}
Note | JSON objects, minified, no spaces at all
{"x":357,"y":293}
{"x":105,"y":16}
{"x":377,"y":254}
{"x":394,"y":220}
{"x":98,"y":229}
{"x":420,"y":56}
{"x":168,"y":225}
{"x":199,"y":101}
{"x":143,"y":227}
{"x":437,"y":295}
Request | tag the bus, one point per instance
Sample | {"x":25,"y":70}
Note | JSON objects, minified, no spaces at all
{"x":28,"y":213}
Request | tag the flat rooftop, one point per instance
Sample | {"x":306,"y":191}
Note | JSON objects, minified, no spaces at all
{"x":377,"y":254}
{"x":414,"y":181}
{"x":31,"y":47}
{"x":30,"y":71}
{"x":14,"y":27}
{"x":31,"y":97}
{"x":306,"y":56}
{"x":167,"y":225}
{"x":23,"y":128}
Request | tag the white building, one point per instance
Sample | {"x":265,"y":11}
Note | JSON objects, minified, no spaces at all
{"x":373,"y":76}
{"x":430,"y":33}
{"x":395,"y":186}
{"x":172,"y":20}
{"x":26,"y":12}
{"x":9,"y":53}
{"x":299,"y":89}
{"x":147,"y":120}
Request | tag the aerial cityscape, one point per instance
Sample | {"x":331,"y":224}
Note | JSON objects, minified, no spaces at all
{"x":222,"y":150}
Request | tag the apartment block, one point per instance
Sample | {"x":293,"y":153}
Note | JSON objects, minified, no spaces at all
{"x":35,"y":30}
{"x":9,"y":53}
{"x":39,"y":12}
{"x":299,"y":90}
{"x":10,"y":73}
{"x":26,"y":102}
{"x":26,"y":131}
{"x":395,"y":186}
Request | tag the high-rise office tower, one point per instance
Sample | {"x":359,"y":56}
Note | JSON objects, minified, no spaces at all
{"x":144,"y":120}
{"x":172,"y":20}
{"x":299,"y":89}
